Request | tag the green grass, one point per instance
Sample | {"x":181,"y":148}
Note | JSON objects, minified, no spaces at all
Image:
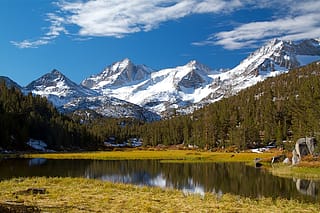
{"x":87,"y":195}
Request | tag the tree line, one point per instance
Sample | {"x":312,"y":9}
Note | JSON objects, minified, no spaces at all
{"x":25,"y":117}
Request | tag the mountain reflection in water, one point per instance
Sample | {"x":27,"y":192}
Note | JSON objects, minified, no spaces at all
{"x":217,"y":178}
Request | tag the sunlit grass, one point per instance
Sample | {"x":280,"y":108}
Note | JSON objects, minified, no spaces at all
{"x":167,"y":155}
{"x":87,"y":195}
{"x":303,"y":172}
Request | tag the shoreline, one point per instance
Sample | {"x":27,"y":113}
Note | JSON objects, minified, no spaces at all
{"x":307,"y":170}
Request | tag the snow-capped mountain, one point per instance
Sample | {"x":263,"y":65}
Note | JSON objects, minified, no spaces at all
{"x":194,"y":85}
{"x":58,"y":88}
{"x":70,"y":97}
{"x":156,"y":90}
{"x":276,"y":57}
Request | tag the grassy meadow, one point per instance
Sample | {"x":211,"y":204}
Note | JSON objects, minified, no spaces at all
{"x":165,"y":155}
{"x":87,"y":195}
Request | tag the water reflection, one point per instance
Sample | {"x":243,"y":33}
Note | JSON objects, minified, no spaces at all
{"x":218,"y":178}
{"x":37,"y":161}
{"x":307,"y":187}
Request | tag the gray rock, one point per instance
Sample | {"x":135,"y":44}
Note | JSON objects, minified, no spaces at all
{"x":286,"y":161}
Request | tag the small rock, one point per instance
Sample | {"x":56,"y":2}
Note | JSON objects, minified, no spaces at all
{"x":286,"y":161}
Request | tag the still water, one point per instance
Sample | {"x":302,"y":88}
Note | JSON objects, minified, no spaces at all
{"x":217,"y":178}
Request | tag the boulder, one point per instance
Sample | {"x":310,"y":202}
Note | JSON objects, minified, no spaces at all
{"x":303,"y":147}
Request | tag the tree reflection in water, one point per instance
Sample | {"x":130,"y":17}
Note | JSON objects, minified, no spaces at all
{"x":217,"y":178}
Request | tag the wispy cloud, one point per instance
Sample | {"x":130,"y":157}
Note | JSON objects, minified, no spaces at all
{"x":30,"y":44}
{"x":118,"y":18}
{"x":55,"y":29}
{"x":302,"y":21}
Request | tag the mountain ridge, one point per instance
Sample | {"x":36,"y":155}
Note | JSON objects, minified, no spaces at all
{"x":168,"y":91}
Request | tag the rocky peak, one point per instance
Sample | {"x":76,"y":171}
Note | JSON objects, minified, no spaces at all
{"x":118,"y":74}
{"x":118,"y":67}
{"x":48,"y":80}
{"x":195,"y":65}
{"x":195,"y":75}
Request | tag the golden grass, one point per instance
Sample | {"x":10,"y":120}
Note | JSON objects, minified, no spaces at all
{"x":87,"y":195}
{"x":168,"y":156}
{"x":299,"y":171}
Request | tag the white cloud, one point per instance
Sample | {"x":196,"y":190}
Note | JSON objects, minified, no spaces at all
{"x":120,"y":17}
{"x":30,"y":44}
{"x":55,"y":30}
{"x":302,"y":21}
{"x":117,"y":18}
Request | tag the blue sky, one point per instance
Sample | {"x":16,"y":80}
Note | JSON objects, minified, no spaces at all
{"x":81,"y":37}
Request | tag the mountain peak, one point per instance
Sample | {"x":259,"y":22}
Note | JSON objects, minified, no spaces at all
{"x":118,"y":74}
{"x":57,"y":87}
{"x":55,"y":72}
{"x":196,"y":65}
{"x":121,"y":65}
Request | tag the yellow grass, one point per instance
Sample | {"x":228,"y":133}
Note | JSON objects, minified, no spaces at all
{"x":303,"y":172}
{"x":87,"y":195}
{"x":168,"y":156}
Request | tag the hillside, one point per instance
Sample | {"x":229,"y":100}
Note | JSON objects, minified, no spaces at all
{"x":25,"y":117}
{"x":281,"y":108}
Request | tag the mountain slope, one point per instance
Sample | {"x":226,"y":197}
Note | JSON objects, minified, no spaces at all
{"x":108,"y":107}
{"x":10,"y":83}
{"x":283,"y":108}
{"x":70,"y":97}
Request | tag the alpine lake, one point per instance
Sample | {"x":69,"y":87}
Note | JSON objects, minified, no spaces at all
{"x":191,"y":178}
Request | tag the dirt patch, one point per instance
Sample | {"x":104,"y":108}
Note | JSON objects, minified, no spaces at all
{"x":32,"y":191}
